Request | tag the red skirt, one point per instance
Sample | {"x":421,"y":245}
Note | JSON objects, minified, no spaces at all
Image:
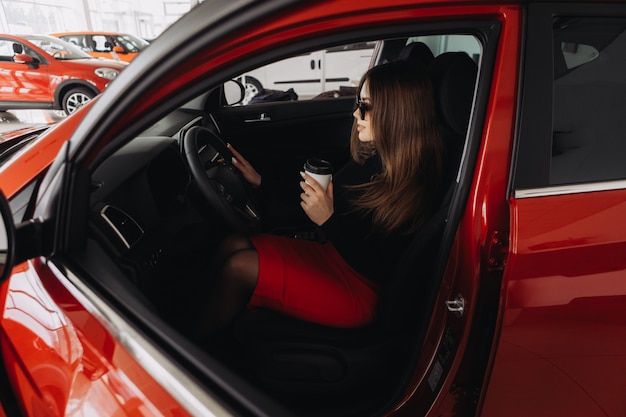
{"x":311,"y":281}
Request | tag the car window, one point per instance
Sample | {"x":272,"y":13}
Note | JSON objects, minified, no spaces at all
{"x":440,"y":44}
{"x":336,"y":71}
{"x":9,"y":48}
{"x":328,"y":72}
{"x":589,"y":100}
{"x":80,"y":41}
{"x":6,"y":50}
{"x":127,"y":43}
{"x":101,"y":43}
{"x":6,"y":47}
{"x":57,"y":48}
{"x":573,"y":105}
{"x":19,"y":202}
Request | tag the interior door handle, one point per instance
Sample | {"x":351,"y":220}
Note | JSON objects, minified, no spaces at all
{"x":263,"y":117}
{"x":456,"y":306}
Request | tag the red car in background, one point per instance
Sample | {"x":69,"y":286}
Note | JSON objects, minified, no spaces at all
{"x":43,"y":72}
{"x":110,"y":45}
{"x":511,"y":301}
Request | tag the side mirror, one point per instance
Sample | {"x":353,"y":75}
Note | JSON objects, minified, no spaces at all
{"x":23,"y":59}
{"x":119,"y":50}
{"x":234,"y":92}
{"x":7,"y":239}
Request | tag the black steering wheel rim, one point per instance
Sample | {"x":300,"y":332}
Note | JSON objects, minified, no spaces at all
{"x":220,"y":184}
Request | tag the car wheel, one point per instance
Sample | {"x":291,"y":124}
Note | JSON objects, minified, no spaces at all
{"x":253,"y":87}
{"x":75,"y":98}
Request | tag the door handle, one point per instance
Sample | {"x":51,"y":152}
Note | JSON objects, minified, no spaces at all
{"x":456,"y":306}
{"x":263,"y":117}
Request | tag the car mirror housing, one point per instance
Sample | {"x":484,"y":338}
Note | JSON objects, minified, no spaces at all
{"x":119,"y":50}
{"x":19,"y":242}
{"x":23,"y":59}
{"x":7,"y":239}
{"x":234,"y":92}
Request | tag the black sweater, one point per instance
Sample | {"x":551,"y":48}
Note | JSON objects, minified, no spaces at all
{"x":371,"y":253}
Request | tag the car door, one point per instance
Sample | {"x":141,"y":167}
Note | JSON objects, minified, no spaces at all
{"x":23,"y":82}
{"x":562,"y":343}
{"x":291,"y":132}
{"x":294,"y":128}
{"x":444,"y":372}
{"x":306,"y":126}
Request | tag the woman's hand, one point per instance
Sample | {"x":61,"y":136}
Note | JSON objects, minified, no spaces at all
{"x":247,"y":170}
{"x":316,"y":203}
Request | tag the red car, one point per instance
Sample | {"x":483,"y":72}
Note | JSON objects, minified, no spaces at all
{"x":511,"y":301}
{"x":43,"y":72}
{"x":111,"y":45}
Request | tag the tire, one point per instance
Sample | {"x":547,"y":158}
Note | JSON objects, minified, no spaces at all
{"x":75,"y":98}
{"x":253,"y":87}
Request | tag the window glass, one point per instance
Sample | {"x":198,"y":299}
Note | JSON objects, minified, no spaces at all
{"x":79,"y":40}
{"x":130,"y":44}
{"x":589,"y":103}
{"x":6,"y":50}
{"x":19,"y":202}
{"x":101,"y":43}
{"x":450,"y":43}
{"x":336,"y":71}
{"x":332,"y":71}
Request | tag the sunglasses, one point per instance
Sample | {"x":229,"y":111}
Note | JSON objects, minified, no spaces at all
{"x":363,"y":107}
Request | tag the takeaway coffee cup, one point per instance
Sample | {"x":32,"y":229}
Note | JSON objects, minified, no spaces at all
{"x":320,"y":170}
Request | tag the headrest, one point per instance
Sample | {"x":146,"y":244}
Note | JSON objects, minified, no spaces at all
{"x":454,"y":78}
{"x":418,"y":52}
{"x":17,"y":48}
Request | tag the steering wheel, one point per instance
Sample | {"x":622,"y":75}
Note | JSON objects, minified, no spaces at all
{"x":219,"y":182}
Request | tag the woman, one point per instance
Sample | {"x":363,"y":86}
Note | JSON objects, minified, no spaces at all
{"x":367,"y":214}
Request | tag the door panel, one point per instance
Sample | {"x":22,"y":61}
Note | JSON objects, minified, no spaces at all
{"x":562,"y":346}
{"x":290,"y":132}
{"x":22,"y":82}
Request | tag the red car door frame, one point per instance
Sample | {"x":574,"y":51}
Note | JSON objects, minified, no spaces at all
{"x":562,"y":344}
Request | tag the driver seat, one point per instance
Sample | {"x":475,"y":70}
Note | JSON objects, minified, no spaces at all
{"x":314,"y":367}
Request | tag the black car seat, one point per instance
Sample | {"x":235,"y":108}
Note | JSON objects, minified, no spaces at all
{"x":453,"y":75}
{"x":417,"y":52}
{"x":18,"y":48}
{"x":319,"y":369}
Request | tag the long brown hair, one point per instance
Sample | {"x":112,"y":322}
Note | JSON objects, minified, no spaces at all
{"x":406,"y":136}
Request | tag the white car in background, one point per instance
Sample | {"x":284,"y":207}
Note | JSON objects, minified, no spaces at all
{"x":312,"y":73}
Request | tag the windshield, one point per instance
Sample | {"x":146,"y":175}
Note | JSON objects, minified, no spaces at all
{"x":57,"y":48}
{"x":14,"y":141}
{"x":131,"y":43}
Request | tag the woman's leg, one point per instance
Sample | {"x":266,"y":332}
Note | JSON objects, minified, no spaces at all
{"x":235,"y":273}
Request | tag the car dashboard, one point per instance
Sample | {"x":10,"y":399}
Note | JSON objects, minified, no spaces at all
{"x":141,"y":215}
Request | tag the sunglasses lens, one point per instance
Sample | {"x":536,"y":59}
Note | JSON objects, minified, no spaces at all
{"x":363,"y":107}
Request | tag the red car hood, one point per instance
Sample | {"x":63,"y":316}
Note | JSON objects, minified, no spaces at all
{"x":96,"y":63}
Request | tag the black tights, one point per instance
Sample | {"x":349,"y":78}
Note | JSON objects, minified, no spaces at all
{"x":234,"y":273}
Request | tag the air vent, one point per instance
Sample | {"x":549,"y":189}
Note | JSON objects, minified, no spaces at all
{"x":124,"y":226}
{"x":94,"y":186}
